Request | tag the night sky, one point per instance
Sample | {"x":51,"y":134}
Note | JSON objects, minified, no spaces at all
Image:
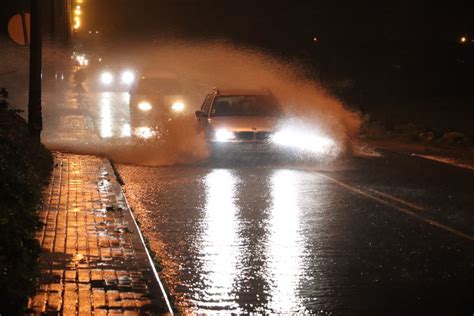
{"x":405,"y":49}
{"x":289,"y":25}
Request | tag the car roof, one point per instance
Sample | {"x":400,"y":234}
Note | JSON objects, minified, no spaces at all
{"x":225,"y":92}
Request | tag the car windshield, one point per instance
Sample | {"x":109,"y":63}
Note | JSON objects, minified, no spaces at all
{"x":245,"y":105}
{"x":158,"y":85}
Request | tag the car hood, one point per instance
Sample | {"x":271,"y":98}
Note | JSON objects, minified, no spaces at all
{"x":248,"y":123}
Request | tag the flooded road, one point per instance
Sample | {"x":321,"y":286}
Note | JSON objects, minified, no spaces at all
{"x":379,"y":235}
{"x":271,"y":238}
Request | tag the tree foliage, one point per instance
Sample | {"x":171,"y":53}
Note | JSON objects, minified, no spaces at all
{"x":24,"y":169}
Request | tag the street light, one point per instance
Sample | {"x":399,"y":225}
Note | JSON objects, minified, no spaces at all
{"x":77,"y":22}
{"x":77,"y":15}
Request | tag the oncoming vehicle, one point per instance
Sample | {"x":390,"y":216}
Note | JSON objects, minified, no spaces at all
{"x":239,"y":120}
{"x":153,"y":103}
{"x":246,"y":121}
{"x":109,"y":79}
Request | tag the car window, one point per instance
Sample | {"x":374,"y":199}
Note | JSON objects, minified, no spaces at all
{"x":245,"y":105}
{"x":158,"y":85}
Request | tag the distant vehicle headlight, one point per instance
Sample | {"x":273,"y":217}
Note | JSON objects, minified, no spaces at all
{"x":144,"y":132}
{"x":128,"y":77}
{"x":80,"y":59}
{"x":144,"y":106}
{"x":303,"y":140}
{"x":178,"y":106}
{"x":223,"y":135}
{"x":106,"y":78}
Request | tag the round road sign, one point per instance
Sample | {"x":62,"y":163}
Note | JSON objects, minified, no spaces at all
{"x":19,"y":28}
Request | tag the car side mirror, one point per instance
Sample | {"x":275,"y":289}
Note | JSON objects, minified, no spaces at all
{"x":200,"y":114}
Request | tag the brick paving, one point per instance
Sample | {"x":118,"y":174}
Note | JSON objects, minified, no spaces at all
{"x":92,"y":260}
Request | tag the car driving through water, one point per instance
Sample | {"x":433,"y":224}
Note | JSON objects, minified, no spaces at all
{"x":239,"y":120}
{"x":154,"y":102}
{"x":253,"y":121}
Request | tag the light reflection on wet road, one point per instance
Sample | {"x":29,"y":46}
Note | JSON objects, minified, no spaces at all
{"x":284,"y":242}
{"x":94,"y":118}
{"x":105,"y":115}
{"x":219,"y":242}
{"x":270,"y":238}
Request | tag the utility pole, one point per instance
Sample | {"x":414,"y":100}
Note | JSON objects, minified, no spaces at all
{"x":35,"y":121}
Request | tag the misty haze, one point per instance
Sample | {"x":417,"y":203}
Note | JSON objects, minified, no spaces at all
{"x":207,"y":157}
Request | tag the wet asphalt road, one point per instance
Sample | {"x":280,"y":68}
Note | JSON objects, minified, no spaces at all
{"x":381,"y":235}
{"x":376,"y":235}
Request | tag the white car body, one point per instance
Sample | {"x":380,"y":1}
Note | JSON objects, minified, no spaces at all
{"x":239,"y":132}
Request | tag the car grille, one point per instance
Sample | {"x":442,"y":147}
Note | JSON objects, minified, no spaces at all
{"x":259,"y":136}
{"x":245,"y":135}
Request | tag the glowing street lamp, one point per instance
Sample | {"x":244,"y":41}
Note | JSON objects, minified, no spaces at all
{"x":77,"y":22}
{"x":77,"y":12}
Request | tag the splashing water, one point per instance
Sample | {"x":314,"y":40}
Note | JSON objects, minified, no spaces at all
{"x":200,"y":67}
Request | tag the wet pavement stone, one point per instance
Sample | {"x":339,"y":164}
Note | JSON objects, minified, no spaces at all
{"x":92,"y":261}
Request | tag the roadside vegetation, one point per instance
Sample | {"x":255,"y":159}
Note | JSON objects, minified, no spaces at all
{"x":412,"y":133}
{"x":442,"y":144}
{"x":24,"y":170}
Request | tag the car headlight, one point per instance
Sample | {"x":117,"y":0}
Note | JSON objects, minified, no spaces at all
{"x":178,"y":106}
{"x":303,"y":140}
{"x":128,"y":77}
{"x":223,"y":135}
{"x":144,"y":106}
{"x":106,"y":78}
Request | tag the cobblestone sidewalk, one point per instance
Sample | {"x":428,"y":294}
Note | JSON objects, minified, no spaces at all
{"x":93,"y":260}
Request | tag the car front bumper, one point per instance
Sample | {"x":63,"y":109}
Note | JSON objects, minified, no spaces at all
{"x":244,"y":147}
